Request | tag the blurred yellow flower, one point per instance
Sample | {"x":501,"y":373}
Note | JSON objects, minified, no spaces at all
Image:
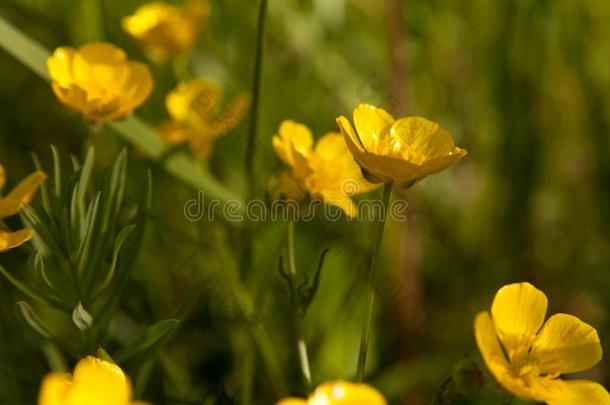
{"x":165,"y":30}
{"x":94,"y":382}
{"x":327,"y":171}
{"x":406,"y":150}
{"x":13,"y":203}
{"x":195,"y":117}
{"x":98,"y":81}
{"x":527,"y":355}
{"x":340,"y":393}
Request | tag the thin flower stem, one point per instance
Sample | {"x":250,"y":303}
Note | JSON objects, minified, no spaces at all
{"x":298,"y":318}
{"x":256,"y":86}
{"x":366,"y":327}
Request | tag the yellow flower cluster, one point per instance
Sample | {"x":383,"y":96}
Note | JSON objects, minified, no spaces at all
{"x":196,"y":117}
{"x":165,"y":30}
{"x":340,"y":393}
{"x":98,"y":81}
{"x":94,"y":382}
{"x":13,"y":203}
{"x":326,"y":172}
{"x":527,"y":355}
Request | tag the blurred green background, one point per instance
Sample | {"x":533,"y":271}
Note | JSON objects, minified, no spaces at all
{"x":523,"y":85}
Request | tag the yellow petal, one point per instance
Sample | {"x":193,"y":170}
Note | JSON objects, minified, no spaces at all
{"x":441,"y":163}
{"x":346,"y":393}
{"x":10,"y":240}
{"x":195,"y":99}
{"x":577,"y":392}
{"x":331,"y":146}
{"x":518,"y":311}
{"x":351,"y":139}
{"x":21,"y":195}
{"x":59,"y":65}
{"x":100,"y":68}
{"x":372,"y":124}
{"x":2,"y":177}
{"x":54,"y":389}
{"x":293,"y":146}
{"x":339,"y":200}
{"x":566,"y":345}
{"x":231,"y":117}
{"x":137,"y":87}
{"x":292,"y":401}
{"x":419,"y":139}
{"x":489,"y":346}
{"x":97,"y":382}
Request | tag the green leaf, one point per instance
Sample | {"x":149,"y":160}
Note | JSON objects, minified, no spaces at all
{"x":83,"y":250}
{"x":33,"y":320}
{"x":118,"y":243}
{"x":154,"y":337}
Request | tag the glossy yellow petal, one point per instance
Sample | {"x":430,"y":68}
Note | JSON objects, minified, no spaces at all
{"x":577,"y":392}
{"x":55,"y":389}
{"x":21,"y":195}
{"x":518,"y":311}
{"x":10,"y":240}
{"x":351,"y":139}
{"x":195,"y":99}
{"x":231,"y":117}
{"x":97,"y":382}
{"x":489,"y":346}
{"x":439,"y":164}
{"x":372,"y":125}
{"x":346,"y":393}
{"x":59,"y":66}
{"x":292,"y":401}
{"x":419,"y":140}
{"x":174,"y":133}
{"x":566,"y":345}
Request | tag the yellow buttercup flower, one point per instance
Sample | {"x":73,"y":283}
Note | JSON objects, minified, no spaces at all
{"x":406,"y":150}
{"x":196,"y":118}
{"x":527,"y":355}
{"x":13,"y":203}
{"x":94,"y":382}
{"x":165,"y":30}
{"x":327,"y":171}
{"x":98,"y":81}
{"x":340,"y":393}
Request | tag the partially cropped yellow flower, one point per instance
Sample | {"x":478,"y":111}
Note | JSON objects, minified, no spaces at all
{"x":327,"y":171}
{"x":98,"y":81}
{"x":165,"y":30}
{"x":196,"y":117}
{"x":527,"y":355}
{"x":13,"y":203}
{"x":406,"y":150}
{"x":340,"y":393}
{"x":94,"y":382}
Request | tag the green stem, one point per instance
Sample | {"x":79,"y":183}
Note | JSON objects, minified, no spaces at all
{"x":256,"y":86}
{"x":366,"y":327}
{"x":298,"y":318}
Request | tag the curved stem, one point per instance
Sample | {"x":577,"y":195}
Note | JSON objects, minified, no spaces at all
{"x":298,"y":319}
{"x":366,"y":327}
